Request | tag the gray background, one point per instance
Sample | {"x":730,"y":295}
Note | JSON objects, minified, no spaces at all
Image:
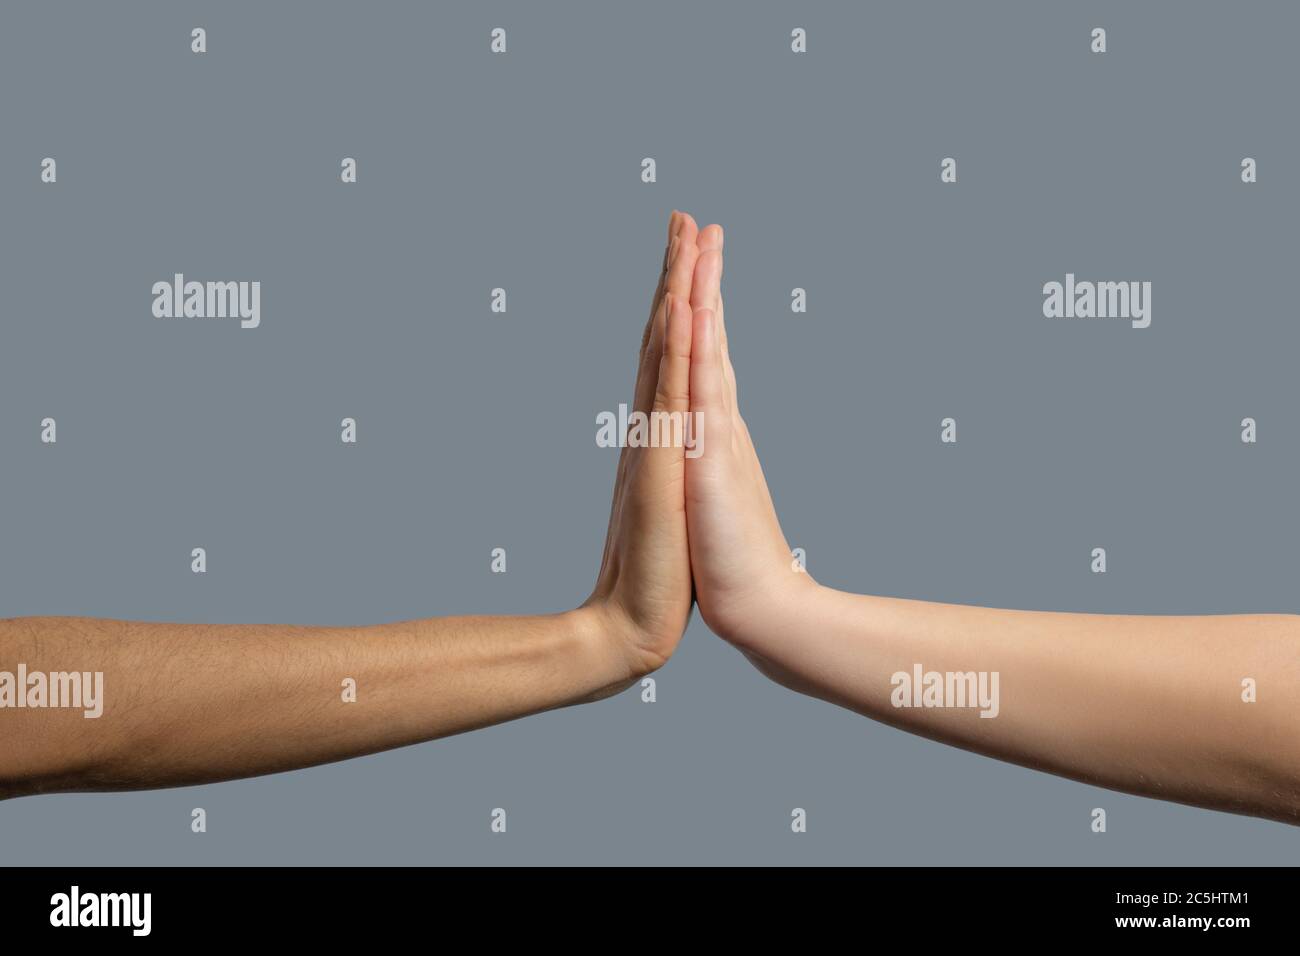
{"x":477,"y":430}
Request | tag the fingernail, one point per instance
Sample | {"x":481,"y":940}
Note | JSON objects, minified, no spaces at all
{"x":672,"y":250}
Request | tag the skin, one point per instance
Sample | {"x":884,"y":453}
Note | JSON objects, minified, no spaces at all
{"x":1146,"y":705}
{"x":1149,"y":705}
{"x":195,"y":703}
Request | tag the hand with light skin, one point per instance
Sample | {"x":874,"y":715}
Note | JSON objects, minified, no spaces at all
{"x":1150,"y":705}
{"x":196,"y":703}
{"x":740,"y":559}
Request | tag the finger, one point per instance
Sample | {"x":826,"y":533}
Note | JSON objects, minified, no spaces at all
{"x":675,"y":276}
{"x":728,"y":373}
{"x":647,"y":354}
{"x":674,"y":224}
{"x":647,"y":376}
{"x":647,"y":382}
{"x":673,"y":393}
{"x":706,"y":369}
{"x":706,"y":293}
{"x":706,"y":290}
{"x":711,"y":239}
{"x":681,"y":273}
{"x":682,"y":270}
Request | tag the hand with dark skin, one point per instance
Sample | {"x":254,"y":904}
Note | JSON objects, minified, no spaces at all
{"x":644,"y":583}
{"x":196,"y":703}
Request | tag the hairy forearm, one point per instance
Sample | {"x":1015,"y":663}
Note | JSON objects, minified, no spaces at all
{"x":193,"y":703}
{"x":1148,"y":705}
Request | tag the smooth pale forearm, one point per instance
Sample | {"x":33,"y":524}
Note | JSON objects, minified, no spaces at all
{"x":1148,"y":705}
{"x":194,"y":703}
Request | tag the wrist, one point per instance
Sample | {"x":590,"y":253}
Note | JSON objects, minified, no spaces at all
{"x":600,"y":632}
{"x":766,"y":614}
